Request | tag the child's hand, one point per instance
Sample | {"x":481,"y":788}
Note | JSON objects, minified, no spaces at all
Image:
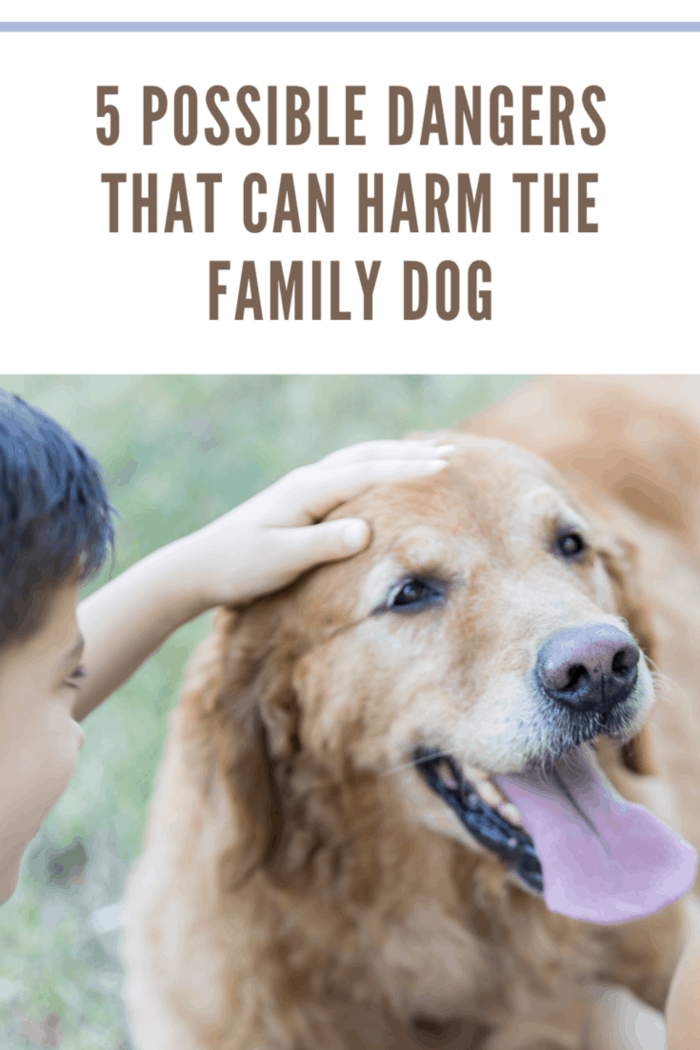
{"x":257,"y":548}
{"x":265,"y":543}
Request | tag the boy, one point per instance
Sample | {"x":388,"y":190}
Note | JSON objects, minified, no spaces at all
{"x":59,"y":660}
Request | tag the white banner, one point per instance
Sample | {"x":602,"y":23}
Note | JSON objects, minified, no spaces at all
{"x":349,"y":198}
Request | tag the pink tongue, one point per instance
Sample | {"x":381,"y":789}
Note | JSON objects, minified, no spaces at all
{"x":632,"y":867}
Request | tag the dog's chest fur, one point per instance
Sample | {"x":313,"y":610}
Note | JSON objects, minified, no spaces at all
{"x":439,"y":931}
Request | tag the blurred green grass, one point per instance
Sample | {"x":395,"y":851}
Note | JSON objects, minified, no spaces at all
{"x":177,"y":451}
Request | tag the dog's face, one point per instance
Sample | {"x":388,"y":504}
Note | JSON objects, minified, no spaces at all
{"x":484,"y":632}
{"x":437,"y":636}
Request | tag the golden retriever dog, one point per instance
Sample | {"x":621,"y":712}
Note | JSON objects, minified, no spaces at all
{"x":435,"y":795}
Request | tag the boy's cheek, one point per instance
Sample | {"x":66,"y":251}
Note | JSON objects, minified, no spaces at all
{"x":62,"y":741}
{"x":34,"y":773}
{"x":23,"y":812}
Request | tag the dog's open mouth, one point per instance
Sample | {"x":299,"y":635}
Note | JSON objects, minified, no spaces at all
{"x":485,"y":812}
{"x":569,"y":835}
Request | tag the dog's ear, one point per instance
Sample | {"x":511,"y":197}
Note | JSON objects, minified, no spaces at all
{"x":250,"y":669}
{"x":620,"y":558}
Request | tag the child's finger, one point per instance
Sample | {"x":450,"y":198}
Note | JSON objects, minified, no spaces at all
{"x":383,"y":450}
{"x":323,"y":491}
{"x":310,"y":493}
{"x":302,"y":548}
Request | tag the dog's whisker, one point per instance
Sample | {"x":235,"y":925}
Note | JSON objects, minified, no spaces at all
{"x":416,"y":761}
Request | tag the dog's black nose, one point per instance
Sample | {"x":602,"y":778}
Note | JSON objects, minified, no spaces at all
{"x":589,"y":668}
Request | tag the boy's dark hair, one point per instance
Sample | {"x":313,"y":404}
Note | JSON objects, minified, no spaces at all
{"x":54,"y":512}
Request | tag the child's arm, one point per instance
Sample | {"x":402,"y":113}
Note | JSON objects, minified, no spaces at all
{"x":253,"y":550}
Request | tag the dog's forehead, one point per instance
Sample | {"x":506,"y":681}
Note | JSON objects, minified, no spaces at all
{"x":491,"y":499}
{"x":487,"y":485}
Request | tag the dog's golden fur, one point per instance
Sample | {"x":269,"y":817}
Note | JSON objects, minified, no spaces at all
{"x":301,"y":891}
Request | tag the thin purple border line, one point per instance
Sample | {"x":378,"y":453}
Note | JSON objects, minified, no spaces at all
{"x":349,"y":27}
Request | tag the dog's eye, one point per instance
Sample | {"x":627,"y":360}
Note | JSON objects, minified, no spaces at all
{"x":414,"y":593}
{"x":571,"y":544}
{"x":411,"y":592}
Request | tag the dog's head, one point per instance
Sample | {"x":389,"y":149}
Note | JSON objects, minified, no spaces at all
{"x":493,"y":627}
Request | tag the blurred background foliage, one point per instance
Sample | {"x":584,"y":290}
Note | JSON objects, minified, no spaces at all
{"x":177,"y":451}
